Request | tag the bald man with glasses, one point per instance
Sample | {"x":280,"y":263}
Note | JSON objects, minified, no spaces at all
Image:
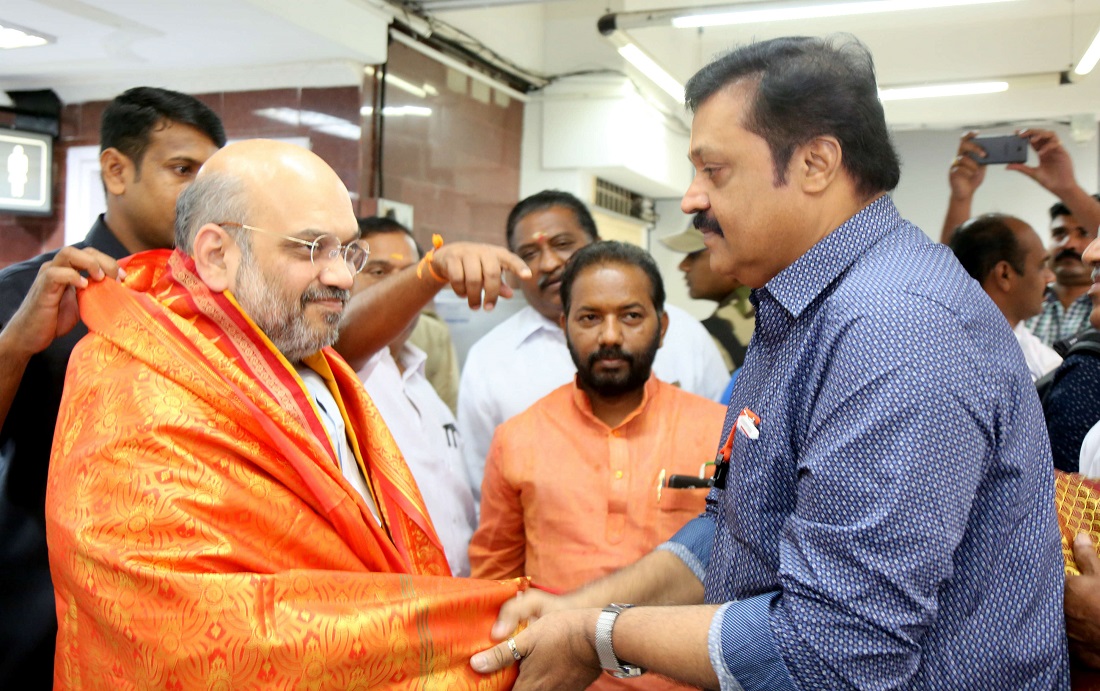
{"x":225,"y":505}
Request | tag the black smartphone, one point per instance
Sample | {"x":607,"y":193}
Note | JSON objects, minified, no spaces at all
{"x":1008,"y":148}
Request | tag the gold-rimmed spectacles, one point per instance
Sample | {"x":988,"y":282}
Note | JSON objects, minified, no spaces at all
{"x":323,"y":248}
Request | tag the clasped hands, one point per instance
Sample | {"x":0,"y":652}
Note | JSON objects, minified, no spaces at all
{"x":555,"y":648}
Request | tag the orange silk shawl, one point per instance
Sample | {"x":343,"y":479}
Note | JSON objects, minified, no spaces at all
{"x":201,"y":533}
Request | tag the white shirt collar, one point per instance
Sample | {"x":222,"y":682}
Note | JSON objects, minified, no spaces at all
{"x":529,"y":322}
{"x":411,"y":359}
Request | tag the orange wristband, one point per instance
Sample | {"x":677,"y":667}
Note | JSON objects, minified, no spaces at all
{"x":437,"y":242}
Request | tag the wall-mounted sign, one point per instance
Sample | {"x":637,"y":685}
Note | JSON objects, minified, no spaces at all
{"x":26,"y":171}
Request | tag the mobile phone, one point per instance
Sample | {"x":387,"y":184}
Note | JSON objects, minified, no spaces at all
{"x":1008,"y":148}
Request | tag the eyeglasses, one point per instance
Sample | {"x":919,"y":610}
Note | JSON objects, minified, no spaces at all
{"x":324,"y":248}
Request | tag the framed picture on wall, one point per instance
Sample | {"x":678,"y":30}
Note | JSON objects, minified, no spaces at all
{"x":26,"y":172}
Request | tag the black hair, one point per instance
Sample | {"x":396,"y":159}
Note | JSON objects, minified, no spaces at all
{"x":130,"y":119}
{"x":377,"y":225}
{"x":807,"y":87}
{"x":612,"y":252}
{"x":1060,"y":209}
{"x":983,"y":242}
{"x":545,"y":200}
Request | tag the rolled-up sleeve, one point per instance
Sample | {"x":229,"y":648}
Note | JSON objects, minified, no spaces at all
{"x":742,"y":648}
{"x":693,"y":542}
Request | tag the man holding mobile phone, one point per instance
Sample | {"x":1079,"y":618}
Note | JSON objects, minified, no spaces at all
{"x":1074,"y":221}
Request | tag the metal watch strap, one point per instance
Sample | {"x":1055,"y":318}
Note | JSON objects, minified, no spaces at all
{"x":608,"y":660}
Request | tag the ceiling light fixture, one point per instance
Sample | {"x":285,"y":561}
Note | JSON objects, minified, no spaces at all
{"x":766,"y":11}
{"x":786,"y":11}
{"x":12,"y":36}
{"x":1089,"y":59}
{"x":905,"y":93}
{"x":645,"y":64}
{"x":654,"y":72}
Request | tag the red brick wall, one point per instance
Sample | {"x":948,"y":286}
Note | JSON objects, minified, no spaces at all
{"x":459,"y":168}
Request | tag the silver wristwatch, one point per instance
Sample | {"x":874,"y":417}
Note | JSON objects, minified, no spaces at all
{"x":608,"y":660}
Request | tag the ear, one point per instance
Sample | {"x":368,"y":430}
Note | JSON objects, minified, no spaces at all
{"x":117,"y":170}
{"x":1003,"y":276}
{"x":217,"y":257}
{"x":664,"y":327}
{"x":561,"y":320}
{"x":819,"y":162}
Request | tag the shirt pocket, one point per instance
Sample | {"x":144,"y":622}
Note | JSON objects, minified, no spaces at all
{"x":677,"y":507}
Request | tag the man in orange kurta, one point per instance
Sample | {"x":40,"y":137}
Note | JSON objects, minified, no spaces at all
{"x":213,"y":520}
{"x":575,"y":485}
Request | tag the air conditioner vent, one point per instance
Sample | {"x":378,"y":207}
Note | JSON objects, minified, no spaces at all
{"x":624,"y":201}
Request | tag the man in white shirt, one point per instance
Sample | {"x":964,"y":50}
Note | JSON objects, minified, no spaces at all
{"x":525,"y":357}
{"x":1007,"y":257}
{"x":420,"y":421}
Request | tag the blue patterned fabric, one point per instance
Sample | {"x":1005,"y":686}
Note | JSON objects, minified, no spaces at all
{"x":893,"y":524}
{"x":1072,"y":407}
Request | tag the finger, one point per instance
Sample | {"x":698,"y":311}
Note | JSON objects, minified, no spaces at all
{"x":1049,"y":148}
{"x":969,"y":147}
{"x":491,"y":283}
{"x":966,"y":164}
{"x":471,"y":269}
{"x":511,"y":262}
{"x":1034,"y":132}
{"x":1021,"y":168}
{"x":54,"y":280}
{"x":1084,"y":553}
{"x":496,"y":658}
{"x":453,"y":267}
{"x":95,"y":263}
{"x":1043,"y":139}
{"x":511,"y":614}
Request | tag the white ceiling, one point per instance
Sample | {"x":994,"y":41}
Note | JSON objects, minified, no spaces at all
{"x":105,"y":46}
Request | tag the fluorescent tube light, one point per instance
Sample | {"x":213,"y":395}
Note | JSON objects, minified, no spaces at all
{"x":17,"y":37}
{"x":647,"y":66}
{"x":784,"y":11}
{"x":1088,"y":60}
{"x":903,"y":93}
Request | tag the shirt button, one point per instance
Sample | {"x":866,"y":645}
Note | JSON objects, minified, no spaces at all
{"x":618,"y":475}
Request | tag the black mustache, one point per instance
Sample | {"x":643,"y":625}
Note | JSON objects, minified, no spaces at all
{"x":612,"y":353}
{"x":706,"y":223}
{"x":1067,"y":253}
{"x":549,"y":278}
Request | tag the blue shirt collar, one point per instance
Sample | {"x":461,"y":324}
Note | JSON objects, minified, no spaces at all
{"x":798,"y":285}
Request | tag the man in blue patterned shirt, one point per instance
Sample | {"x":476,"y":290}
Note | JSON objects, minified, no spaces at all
{"x":886,"y":516}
